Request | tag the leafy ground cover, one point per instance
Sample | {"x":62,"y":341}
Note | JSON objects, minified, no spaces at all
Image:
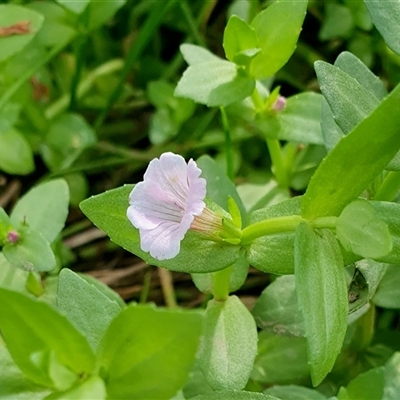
{"x":284,"y":284}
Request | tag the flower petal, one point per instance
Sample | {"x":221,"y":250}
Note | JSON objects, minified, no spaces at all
{"x":165,"y":204}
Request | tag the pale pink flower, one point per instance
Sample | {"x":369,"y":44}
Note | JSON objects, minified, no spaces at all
{"x":164,"y":206}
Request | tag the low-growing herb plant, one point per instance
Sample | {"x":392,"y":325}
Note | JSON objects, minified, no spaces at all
{"x":326,"y":227}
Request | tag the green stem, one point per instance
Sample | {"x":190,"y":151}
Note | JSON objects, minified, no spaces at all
{"x":228,"y":145}
{"x":144,"y":36}
{"x":221,"y":281}
{"x":282,"y":224}
{"x":270,"y":226}
{"x":29,"y":72}
{"x":167,"y":286}
{"x":389,"y":188}
{"x":144,"y":294}
{"x":324,"y":222}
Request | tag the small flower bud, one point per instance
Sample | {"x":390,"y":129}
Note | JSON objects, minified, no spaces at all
{"x":13,"y":237}
{"x":279,"y":104}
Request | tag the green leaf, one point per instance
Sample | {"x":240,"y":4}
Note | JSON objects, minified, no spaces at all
{"x":330,"y":129}
{"x":291,"y":392}
{"x":273,"y":253}
{"x":347,"y":170}
{"x":338,"y":22}
{"x":57,"y":27}
{"x":354,"y":67}
{"x":277,"y":311}
{"x":44,"y":208}
{"x":89,"y":310}
{"x":108,"y":212}
{"x":44,"y":345}
{"x":11,"y":14}
{"x":92,"y":388}
{"x":349,"y":100}
{"x":102,"y":11}
{"x":196,"y":384}
{"x":280,"y":359}
{"x":228,"y":345}
{"x":277,"y":40}
{"x":104,"y":289}
{"x":361,"y":231}
{"x":392,"y":382}
{"x":301,"y":118}
{"x":219,"y":186}
{"x":234,"y":396}
{"x":13,"y":384}
{"x":390,"y":214}
{"x":322,"y":297}
{"x":68,"y":136}
{"x":215,"y":83}
{"x":368,"y":385}
{"x":32,"y":252}
{"x":147,"y":352}
{"x":238,"y":36}
{"x":385,"y":15}
{"x":16,"y":156}
{"x":76,"y":7}
{"x":10,"y":277}
{"x":388,"y":292}
{"x":196,"y":54}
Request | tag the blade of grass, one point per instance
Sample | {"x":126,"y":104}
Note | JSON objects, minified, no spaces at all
{"x":143,"y":37}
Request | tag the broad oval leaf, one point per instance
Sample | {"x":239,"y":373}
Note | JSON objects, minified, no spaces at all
{"x":44,"y":208}
{"x":277,"y":311}
{"x":16,"y":155}
{"x":388,"y":294}
{"x":361,"y":231}
{"x":88,"y":309}
{"x":25,"y":327}
{"x":32,"y":252}
{"x":228,"y":345}
{"x":277,"y":40}
{"x":280,"y":359}
{"x":215,"y":83}
{"x":147,"y":353}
